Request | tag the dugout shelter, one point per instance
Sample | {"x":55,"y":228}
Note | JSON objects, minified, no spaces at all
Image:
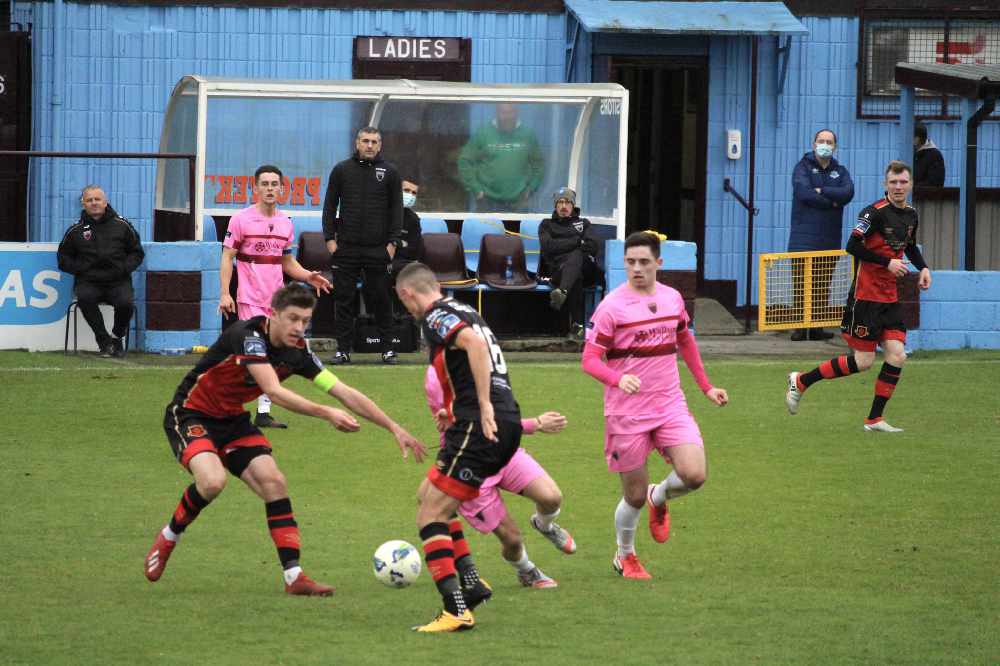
{"x":305,"y":127}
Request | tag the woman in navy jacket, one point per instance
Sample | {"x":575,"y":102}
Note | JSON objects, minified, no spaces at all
{"x":821,"y":187}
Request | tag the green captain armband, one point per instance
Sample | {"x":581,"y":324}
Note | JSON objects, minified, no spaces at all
{"x":325,"y":380}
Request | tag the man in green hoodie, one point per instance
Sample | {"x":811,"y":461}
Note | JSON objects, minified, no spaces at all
{"x":502,"y":164}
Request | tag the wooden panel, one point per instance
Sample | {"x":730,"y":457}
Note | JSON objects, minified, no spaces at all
{"x":173,"y":286}
{"x":161,"y":316}
{"x":938,"y":232}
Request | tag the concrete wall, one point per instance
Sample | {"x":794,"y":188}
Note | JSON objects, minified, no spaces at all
{"x":960,"y":309}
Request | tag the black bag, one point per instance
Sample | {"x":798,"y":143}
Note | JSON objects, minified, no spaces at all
{"x":405,"y":336}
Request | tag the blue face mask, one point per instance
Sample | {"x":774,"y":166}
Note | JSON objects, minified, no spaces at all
{"x":409,"y":199}
{"x":824,"y":150}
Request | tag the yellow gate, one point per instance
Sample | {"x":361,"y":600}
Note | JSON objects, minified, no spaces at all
{"x":803,"y":289}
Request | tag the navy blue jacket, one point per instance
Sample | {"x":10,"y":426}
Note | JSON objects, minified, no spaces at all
{"x":817,"y":217}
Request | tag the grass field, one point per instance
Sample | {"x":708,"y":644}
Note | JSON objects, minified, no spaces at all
{"x":812,"y":542}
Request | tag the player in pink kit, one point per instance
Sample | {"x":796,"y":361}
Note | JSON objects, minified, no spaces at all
{"x":260,"y":239}
{"x":639,"y":328}
{"x":523,"y":476}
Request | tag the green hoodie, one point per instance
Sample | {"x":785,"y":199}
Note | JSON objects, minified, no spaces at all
{"x":501,"y":165}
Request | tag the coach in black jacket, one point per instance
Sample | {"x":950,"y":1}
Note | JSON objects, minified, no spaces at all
{"x":101,"y":251}
{"x":362,"y":225}
{"x":569,"y":251}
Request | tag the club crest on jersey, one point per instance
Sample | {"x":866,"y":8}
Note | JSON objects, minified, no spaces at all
{"x":860,"y":331}
{"x":652,"y":307}
{"x":379,"y":174}
{"x":87,"y":234}
{"x":195,"y":431}
{"x":834,"y":174}
{"x":254,"y":347}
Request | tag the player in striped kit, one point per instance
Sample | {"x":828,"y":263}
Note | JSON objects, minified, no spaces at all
{"x":632,"y":344}
{"x":260,"y":239}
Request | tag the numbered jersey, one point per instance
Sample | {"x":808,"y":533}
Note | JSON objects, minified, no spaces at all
{"x":441,"y":324}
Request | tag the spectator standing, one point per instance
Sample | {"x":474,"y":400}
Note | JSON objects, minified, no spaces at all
{"x":101,"y":251}
{"x":411,"y":244}
{"x":821,"y":187}
{"x":502,"y":164}
{"x":569,"y":250}
{"x":362,"y":225}
{"x":928,"y":167}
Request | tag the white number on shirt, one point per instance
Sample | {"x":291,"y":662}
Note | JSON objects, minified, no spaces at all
{"x":496,"y":354}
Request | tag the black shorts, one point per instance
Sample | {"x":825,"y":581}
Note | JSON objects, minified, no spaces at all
{"x":234,"y":439}
{"x":866,"y":323}
{"x":466,"y":458}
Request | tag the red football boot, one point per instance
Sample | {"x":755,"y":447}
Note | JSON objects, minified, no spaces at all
{"x":156,"y":558}
{"x":630,"y":567}
{"x":659,"y":518}
{"x":307,"y":587}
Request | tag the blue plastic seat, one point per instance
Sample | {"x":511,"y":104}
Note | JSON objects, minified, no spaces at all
{"x":433,"y":225}
{"x":532,"y":246}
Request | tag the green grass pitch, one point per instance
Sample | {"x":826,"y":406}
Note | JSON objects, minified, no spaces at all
{"x":812,"y":542}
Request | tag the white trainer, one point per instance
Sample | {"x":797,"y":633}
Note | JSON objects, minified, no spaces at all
{"x":881,"y":426}
{"x":793,"y":394}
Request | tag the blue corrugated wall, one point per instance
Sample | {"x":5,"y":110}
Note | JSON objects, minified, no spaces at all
{"x":121,"y":64}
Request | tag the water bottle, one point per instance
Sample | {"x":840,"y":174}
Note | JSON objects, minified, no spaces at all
{"x":508,"y":270}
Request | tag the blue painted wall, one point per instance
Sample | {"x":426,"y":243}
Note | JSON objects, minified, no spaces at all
{"x":121,"y":64}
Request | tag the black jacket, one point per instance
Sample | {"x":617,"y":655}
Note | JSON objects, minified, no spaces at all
{"x":369,"y":195}
{"x":928,"y":167}
{"x":412,"y":245}
{"x":558,"y":237}
{"x":105,"y":251}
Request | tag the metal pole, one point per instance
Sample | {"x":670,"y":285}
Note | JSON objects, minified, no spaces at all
{"x":971,"y":136}
{"x":191,"y":193}
{"x":753,"y":173}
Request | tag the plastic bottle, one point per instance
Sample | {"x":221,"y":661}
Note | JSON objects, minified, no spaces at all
{"x":508,"y":270}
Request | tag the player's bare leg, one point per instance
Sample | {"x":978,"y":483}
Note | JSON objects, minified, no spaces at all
{"x":435,"y":510}
{"x":547,"y":497}
{"x":894,"y":353}
{"x":264,"y":478}
{"x":515,"y":554}
{"x":625,"y":562}
{"x":209,"y":480}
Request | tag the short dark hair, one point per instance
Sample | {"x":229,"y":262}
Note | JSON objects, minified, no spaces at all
{"x":293,"y":295}
{"x":267,"y":168}
{"x":825,"y":129}
{"x":419,"y":277}
{"x":644,"y":239}
{"x":367,"y":129}
{"x":897,"y":166}
{"x":920,"y":131}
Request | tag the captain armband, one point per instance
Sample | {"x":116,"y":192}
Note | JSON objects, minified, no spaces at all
{"x":325,"y":380}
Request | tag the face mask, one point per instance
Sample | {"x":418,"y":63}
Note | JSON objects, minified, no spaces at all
{"x":824,"y":150}
{"x":409,"y":199}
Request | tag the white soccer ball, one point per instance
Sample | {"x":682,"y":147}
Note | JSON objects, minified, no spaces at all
{"x":396,"y":563}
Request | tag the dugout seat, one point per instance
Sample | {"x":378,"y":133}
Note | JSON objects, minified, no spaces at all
{"x":473,"y":231}
{"x":313,"y":256}
{"x":493,"y":252}
{"x":433,"y":225}
{"x":444,"y":254}
{"x":532,"y":246}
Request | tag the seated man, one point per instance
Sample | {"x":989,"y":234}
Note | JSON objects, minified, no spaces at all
{"x":411,"y":245}
{"x":569,"y":251}
{"x":101,"y":251}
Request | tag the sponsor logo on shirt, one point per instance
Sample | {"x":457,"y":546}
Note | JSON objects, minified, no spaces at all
{"x":254,"y":347}
{"x":442,"y":322}
{"x":862,"y":226}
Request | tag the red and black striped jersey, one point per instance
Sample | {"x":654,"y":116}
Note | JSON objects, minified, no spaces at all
{"x":441,"y":324}
{"x":220,"y":384}
{"x":883,"y":232}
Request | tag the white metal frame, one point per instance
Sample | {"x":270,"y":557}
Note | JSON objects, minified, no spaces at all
{"x":380,"y":93}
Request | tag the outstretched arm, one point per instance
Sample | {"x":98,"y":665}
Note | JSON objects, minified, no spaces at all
{"x":363,"y":406}
{"x":267,"y":380}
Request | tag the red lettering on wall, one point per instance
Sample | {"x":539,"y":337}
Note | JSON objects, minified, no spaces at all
{"x":241,"y":189}
{"x":312,"y":188}
{"x":225,"y":193}
{"x":298,"y":191}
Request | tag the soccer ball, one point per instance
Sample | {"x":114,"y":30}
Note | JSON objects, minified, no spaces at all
{"x":396,"y":563}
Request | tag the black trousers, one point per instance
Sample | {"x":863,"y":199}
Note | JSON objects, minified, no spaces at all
{"x":572,"y":272}
{"x":371,"y":266}
{"x":119,"y":296}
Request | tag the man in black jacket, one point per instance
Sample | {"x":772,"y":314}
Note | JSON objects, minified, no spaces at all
{"x":101,"y":251}
{"x":362,"y":225}
{"x":928,"y":160}
{"x":569,"y":250}
{"x":411,"y":246}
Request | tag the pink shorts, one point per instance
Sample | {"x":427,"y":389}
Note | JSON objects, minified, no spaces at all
{"x":246,"y":311}
{"x":627,"y":451}
{"x":485,"y":512}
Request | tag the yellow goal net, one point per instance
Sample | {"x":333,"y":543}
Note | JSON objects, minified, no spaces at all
{"x":803,"y":289}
